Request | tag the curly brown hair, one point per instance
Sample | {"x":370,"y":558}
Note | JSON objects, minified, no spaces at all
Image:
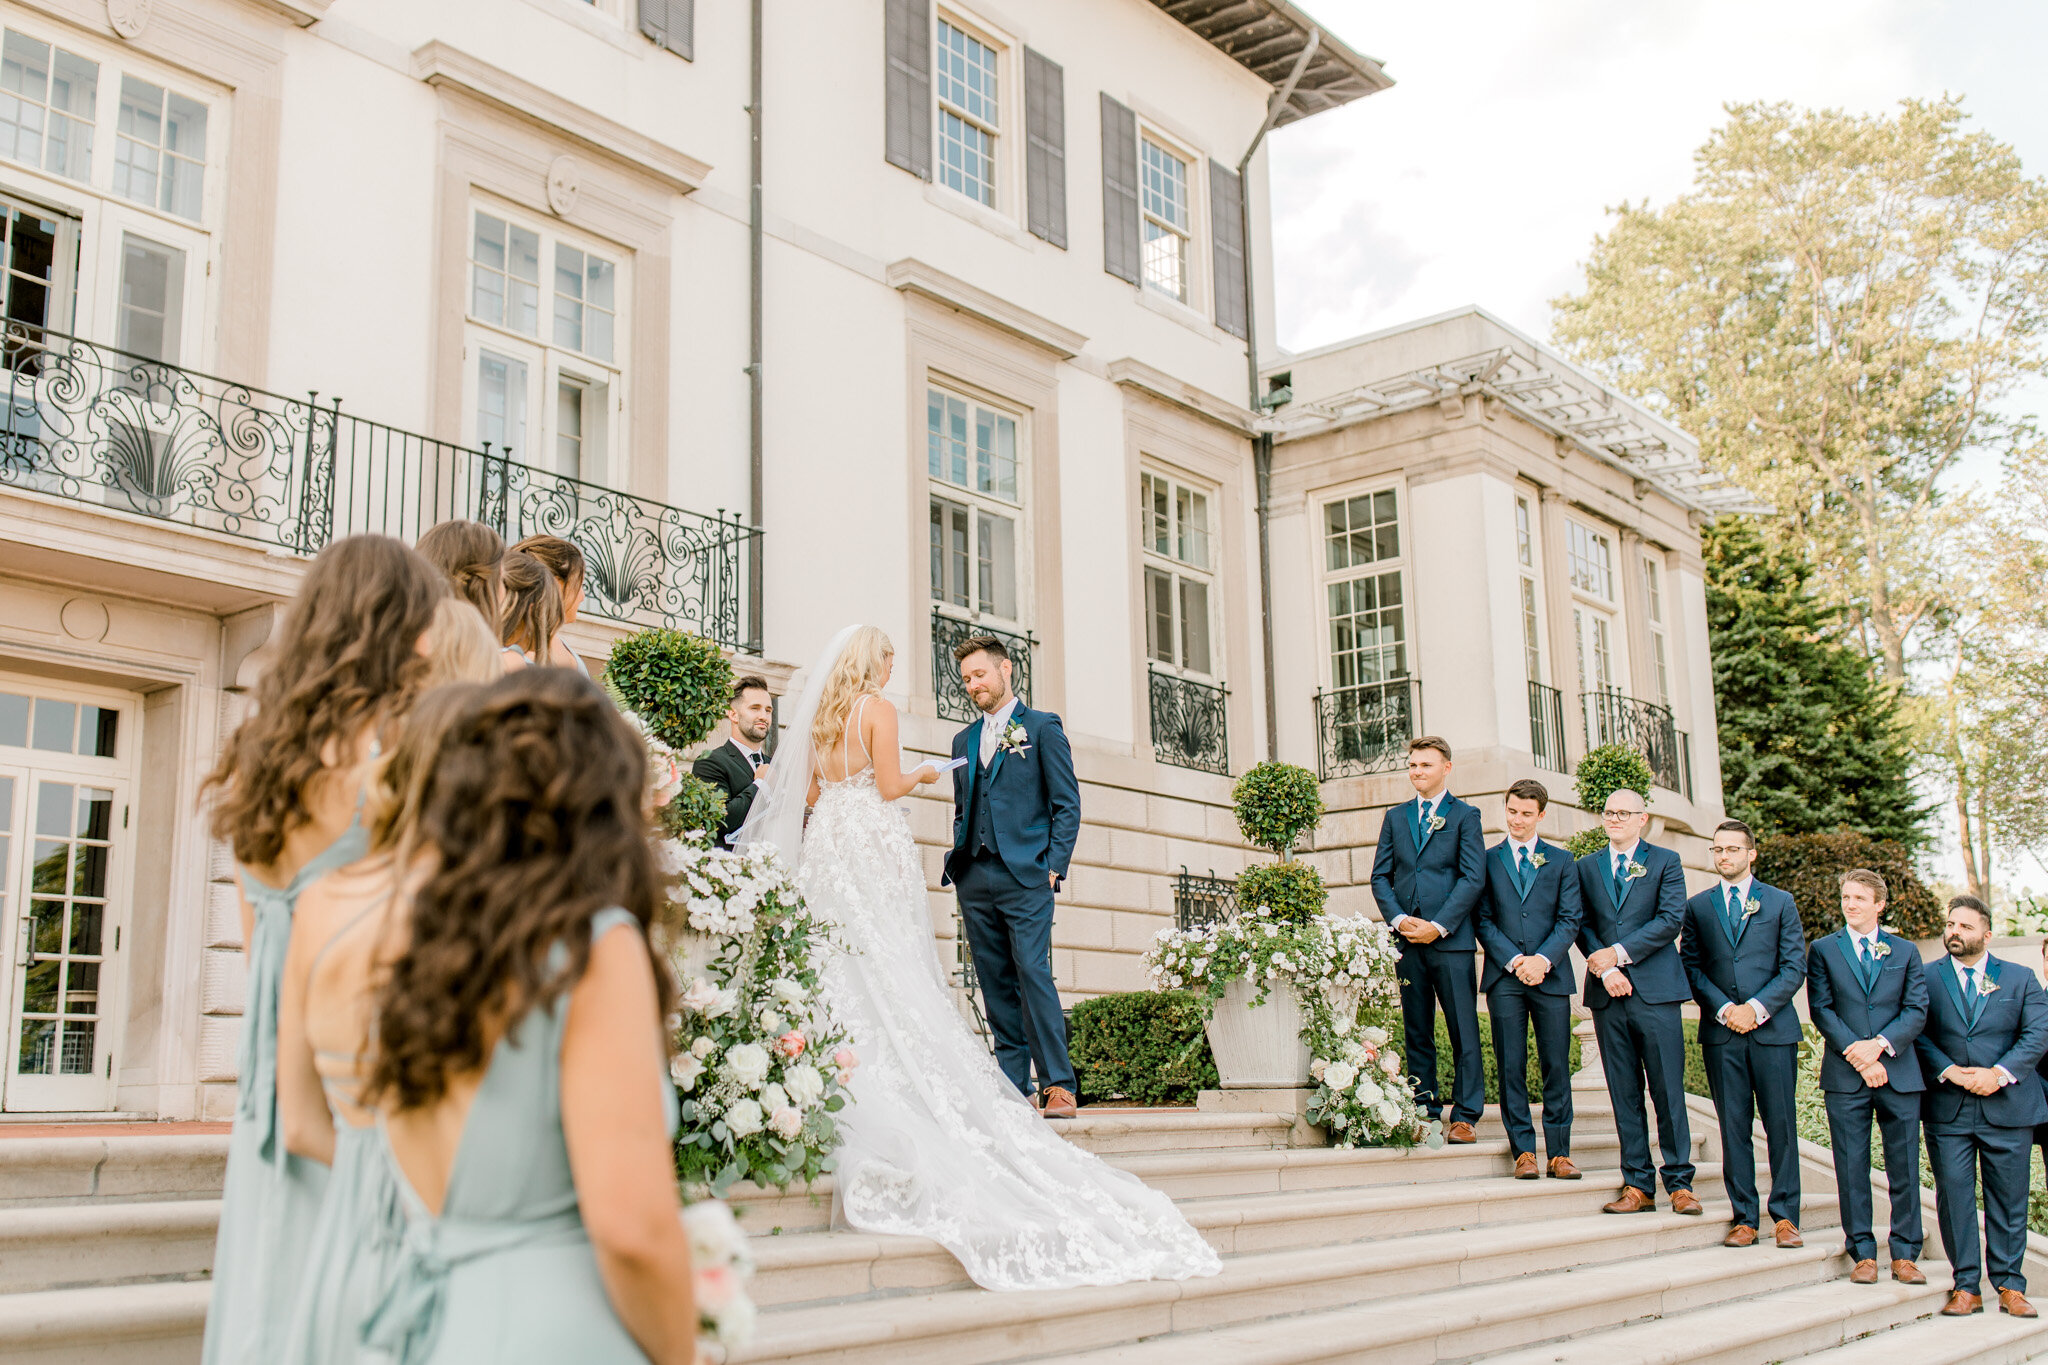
{"x":533,"y":605}
{"x":533,"y":802}
{"x":472,"y":556}
{"x":345,"y":658}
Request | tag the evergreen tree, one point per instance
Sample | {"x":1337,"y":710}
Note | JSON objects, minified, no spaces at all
{"x":1811,"y":739}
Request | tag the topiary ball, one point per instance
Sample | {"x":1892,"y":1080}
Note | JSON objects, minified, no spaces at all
{"x":1276,"y":804}
{"x":1293,"y":891}
{"x":697,"y":808}
{"x":1587,"y":840}
{"x":1606,"y":770}
{"x":680,"y":684}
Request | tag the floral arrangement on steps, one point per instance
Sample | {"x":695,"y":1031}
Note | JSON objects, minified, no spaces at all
{"x":721,"y":1263}
{"x":1337,"y":971}
{"x":760,"y":1068}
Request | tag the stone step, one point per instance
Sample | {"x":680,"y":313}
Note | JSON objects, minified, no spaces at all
{"x":1654,"y":1261}
{"x":1983,"y":1339}
{"x":47,"y":1245}
{"x":72,"y":1170}
{"x":1105,"y":1130}
{"x":129,"y":1324}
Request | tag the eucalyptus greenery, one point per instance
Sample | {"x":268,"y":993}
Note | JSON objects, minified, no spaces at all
{"x":1277,"y":803}
{"x":679,"y":684}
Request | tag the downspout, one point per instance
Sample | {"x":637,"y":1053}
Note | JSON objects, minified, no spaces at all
{"x":1262,"y":444}
{"x":755,"y":481}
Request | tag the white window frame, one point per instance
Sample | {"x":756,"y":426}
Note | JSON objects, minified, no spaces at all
{"x":1191,"y":235}
{"x":1177,"y":572}
{"x":1584,"y":564}
{"x":1009,"y":97}
{"x":1653,"y":609}
{"x":1379,"y":567}
{"x":1528,"y":559}
{"x":983,"y":503}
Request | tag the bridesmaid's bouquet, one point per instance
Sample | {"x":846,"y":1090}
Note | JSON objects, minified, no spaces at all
{"x":720,"y":1265}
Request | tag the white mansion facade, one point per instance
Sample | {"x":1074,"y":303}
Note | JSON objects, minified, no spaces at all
{"x":967,"y":351}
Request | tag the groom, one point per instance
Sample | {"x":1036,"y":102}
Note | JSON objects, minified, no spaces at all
{"x":1016,"y":814}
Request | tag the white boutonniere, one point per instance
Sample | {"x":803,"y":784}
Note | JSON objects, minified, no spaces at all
{"x":1537,"y":859}
{"x":1880,"y":950}
{"x":1436,"y":822}
{"x":1985,"y":985}
{"x":1751,"y":906}
{"x":1014,"y":740}
{"x":1633,"y":871}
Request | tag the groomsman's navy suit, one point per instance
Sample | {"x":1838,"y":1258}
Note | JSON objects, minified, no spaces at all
{"x":1851,"y":1001}
{"x":1015,"y":819}
{"x":1437,"y":876}
{"x":1734,"y":958}
{"x":1530,"y":911}
{"x":1641,"y":1038}
{"x":2008,"y":1028}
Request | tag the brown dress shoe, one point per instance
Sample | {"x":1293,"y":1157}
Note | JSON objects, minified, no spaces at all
{"x":1741,"y":1235}
{"x":1459,"y":1134}
{"x":2015,"y":1303}
{"x":1632,"y":1200}
{"x":1961,"y":1303}
{"x":1686,"y":1202}
{"x":1525,"y":1166}
{"x":1059,"y":1102}
{"x":1561,"y":1168}
{"x":1788,"y":1236}
{"x":1905,"y":1272}
{"x":1864,"y":1273}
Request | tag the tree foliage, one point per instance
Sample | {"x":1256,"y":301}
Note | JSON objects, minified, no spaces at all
{"x":1277,"y":803}
{"x":1811,"y":740}
{"x":1810,"y":866}
{"x":1837,"y":310}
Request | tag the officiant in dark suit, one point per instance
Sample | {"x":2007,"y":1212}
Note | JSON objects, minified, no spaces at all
{"x":735,"y":766}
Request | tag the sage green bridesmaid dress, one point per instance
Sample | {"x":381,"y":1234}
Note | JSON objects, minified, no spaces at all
{"x":271,"y":1199}
{"x":506,"y":1273}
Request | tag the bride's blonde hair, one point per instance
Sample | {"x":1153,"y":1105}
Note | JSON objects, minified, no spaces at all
{"x":858,"y":673}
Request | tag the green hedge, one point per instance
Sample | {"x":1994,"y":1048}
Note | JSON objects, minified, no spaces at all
{"x":1443,"y":1058}
{"x":1810,"y":867}
{"x":1143,"y":1047}
{"x":1292,"y":891}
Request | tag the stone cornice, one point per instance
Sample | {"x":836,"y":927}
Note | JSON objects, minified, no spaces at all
{"x":913,"y":276}
{"x":1136,"y":374}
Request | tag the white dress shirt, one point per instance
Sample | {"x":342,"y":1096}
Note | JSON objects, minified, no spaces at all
{"x":1741,"y":890}
{"x":992,"y":725}
{"x":1426,"y":808}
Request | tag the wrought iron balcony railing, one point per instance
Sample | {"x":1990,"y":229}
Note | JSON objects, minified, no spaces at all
{"x":1366,"y":729}
{"x":1190,"y":724}
{"x":1613,"y":717}
{"x":950,"y":692}
{"x":104,"y":427}
{"x":1202,"y":900}
{"x":1546,"y":728}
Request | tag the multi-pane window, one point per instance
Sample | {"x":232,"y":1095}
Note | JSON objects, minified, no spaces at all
{"x":975,"y":506}
{"x":1525,"y":559}
{"x":1175,"y":535}
{"x":38,"y":266}
{"x":149,"y":313}
{"x":964,"y":78}
{"x":160,"y":148}
{"x":1660,"y":659}
{"x":1363,"y":590}
{"x":46,"y":106}
{"x":1163,"y":196}
{"x":1591,"y":557}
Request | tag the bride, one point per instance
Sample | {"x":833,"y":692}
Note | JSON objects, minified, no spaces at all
{"x":936,"y":1142}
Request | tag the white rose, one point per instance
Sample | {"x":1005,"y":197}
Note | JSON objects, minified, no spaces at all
{"x":684,"y":1069}
{"x":1374,"y":1037}
{"x":715,"y":1235}
{"x":786,"y":1122}
{"x":771,"y":1022}
{"x":1387,"y":1112}
{"x":1340,"y":1075}
{"x":1390,"y":1062}
{"x":700,"y":997}
{"x":748,"y":1064}
{"x":774,"y":1097}
{"x":805,"y":1086}
{"x":743,"y":1120}
{"x":1369,"y":1093}
{"x":1316,"y":1069}
{"x":787,"y":991}
{"x":702,"y":1048}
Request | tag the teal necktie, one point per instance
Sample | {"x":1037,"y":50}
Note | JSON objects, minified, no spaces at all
{"x":1971,"y":999}
{"x":1523,"y":872}
{"x":1734,"y":912}
{"x":1866,"y":965}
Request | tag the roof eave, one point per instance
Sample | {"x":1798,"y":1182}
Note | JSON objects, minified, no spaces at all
{"x":1266,"y":36}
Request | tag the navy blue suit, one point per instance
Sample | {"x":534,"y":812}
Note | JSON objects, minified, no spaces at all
{"x":1732,"y":960}
{"x":1642,"y":1041}
{"x":1849,"y":1006}
{"x":1524,"y":913}
{"x":2007,"y":1027}
{"x":1015,"y":821}
{"x":1437,"y":875}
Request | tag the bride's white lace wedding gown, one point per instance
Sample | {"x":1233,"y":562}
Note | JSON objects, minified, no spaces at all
{"x":938,"y":1143}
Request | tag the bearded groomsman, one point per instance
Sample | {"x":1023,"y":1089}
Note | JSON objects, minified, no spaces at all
{"x":1745,"y":954}
{"x":1528,"y":919}
{"x":1633,"y":895}
{"x":1987,"y":1025}
{"x":1867,"y":993}
{"x":1427,"y":876}
{"x":738,"y":767}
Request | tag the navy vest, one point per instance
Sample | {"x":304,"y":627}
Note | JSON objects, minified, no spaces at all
{"x":981,"y":825}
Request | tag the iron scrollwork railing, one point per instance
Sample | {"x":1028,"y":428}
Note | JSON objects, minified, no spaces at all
{"x":1202,"y":900}
{"x":950,"y":693}
{"x":92,"y":424}
{"x":1613,"y":717}
{"x":1366,"y":729}
{"x":1190,"y":723}
{"x":1546,"y":728}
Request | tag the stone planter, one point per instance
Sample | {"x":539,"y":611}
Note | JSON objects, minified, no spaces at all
{"x":1259,"y":1049}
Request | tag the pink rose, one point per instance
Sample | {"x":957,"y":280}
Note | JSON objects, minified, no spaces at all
{"x":844,"y":1059}
{"x":717,"y":1286}
{"x":1391,"y":1063}
{"x":790,"y":1044}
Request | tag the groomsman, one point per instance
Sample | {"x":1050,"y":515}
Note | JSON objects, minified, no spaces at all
{"x":1528,"y":919}
{"x":1987,"y":1025}
{"x":1867,"y":993}
{"x":1633,"y":895}
{"x":1745,"y":954}
{"x":738,"y":765}
{"x":1427,"y":876}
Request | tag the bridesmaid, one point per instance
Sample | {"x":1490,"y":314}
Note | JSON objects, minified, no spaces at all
{"x":520,"y":1064}
{"x":472,"y":557}
{"x":565,"y":561}
{"x":290,"y":785}
{"x":533,"y":612}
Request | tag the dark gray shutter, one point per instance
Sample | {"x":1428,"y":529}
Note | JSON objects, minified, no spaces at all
{"x":1119,"y":190}
{"x":1226,"y":230}
{"x":908,"y":38}
{"x":1045,"y":149}
{"x":671,"y":24}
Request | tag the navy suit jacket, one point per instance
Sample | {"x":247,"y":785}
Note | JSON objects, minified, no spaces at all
{"x":1646,"y":924}
{"x":1441,"y":881}
{"x":1895,"y":1009}
{"x":1765,"y":962}
{"x":1034,"y":799}
{"x":2011,"y":1031}
{"x":1545,"y":922}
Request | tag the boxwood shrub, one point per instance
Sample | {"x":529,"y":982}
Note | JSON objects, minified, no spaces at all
{"x":1142,"y":1047}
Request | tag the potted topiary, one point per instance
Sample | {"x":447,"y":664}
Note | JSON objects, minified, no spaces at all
{"x":1603,"y":772}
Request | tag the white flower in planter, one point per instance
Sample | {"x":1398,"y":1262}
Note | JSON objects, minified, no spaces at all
{"x":806,"y":1086}
{"x":1340,"y":1075}
{"x":747,"y":1064}
{"x":1373,"y":1037}
{"x":1368,"y":1092}
{"x":1390,"y":1062}
{"x":703,"y":1048}
{"x":1316,"y":1069}
{"x":774,"y":1097}
{"x":684,"y":1068}
{"x":785,"y":1122}
{"x":744,"y":1119}
{"x":1387,"y":1112}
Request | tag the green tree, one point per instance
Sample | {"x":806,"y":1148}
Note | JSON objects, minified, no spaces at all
{"x":1811,"y":740}
{"x":1838,"y":310}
